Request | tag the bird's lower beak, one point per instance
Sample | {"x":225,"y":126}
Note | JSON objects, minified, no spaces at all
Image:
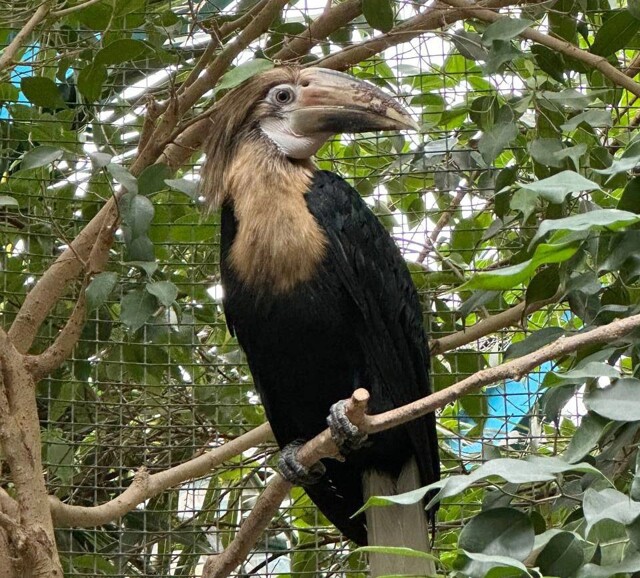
{"x":331,"y":102}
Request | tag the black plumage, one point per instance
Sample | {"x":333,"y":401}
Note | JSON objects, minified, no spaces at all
{"x":356,"y":323}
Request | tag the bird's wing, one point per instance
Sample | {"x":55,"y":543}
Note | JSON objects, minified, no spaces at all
{"x":375,"y":275}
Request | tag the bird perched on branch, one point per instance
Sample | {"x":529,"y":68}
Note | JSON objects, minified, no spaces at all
{"x":320,"y":299}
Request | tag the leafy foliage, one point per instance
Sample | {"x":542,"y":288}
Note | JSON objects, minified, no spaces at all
{"x":525,"y":170}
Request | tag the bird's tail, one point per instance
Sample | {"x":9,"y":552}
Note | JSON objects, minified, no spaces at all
{"x":404,"y":526}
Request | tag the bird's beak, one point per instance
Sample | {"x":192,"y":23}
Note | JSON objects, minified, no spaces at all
{"x":331,"y":102}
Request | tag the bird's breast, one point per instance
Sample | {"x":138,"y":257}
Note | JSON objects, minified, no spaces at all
{"x":278,"y":245}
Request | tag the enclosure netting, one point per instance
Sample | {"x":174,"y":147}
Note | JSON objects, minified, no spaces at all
{"x":152,"y":384}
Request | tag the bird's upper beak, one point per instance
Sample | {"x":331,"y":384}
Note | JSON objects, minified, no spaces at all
{"x":332,"y":102}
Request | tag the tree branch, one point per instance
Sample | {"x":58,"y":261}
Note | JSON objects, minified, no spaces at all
{"x":9,"y":53}
{"x":443,"y":221}
{"x":323,"y":446}
{"x":598,"y":62}
{"x":320,"y":447}
{"x":83,"y":251}
{"x":327,"y":23}
{"x":72,"y":9}
{"x":162,"y":135}
{"x":21,"y":443}
{"x":62,"y":347}
{"x":492,"y":324}
{"x":145,"y":486}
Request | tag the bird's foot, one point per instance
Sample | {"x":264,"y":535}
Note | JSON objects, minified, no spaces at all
{"x":347,"y":436}
{"x":295,"y":472}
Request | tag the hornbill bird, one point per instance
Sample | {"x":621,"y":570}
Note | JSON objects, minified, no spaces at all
{"x":320,"y":299}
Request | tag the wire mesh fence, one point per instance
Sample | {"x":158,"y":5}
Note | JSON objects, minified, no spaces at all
{"x":156,"y":378}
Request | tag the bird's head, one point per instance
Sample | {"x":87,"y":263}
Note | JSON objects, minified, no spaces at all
{"x":290,"y":112}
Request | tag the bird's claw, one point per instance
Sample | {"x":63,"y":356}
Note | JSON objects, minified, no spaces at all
{"x":295,"y":472}
{"x":346,"y":436}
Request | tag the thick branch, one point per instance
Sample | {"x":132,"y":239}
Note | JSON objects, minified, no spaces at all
{"x":327,"y":23}
{"x":60,"y":350}
{"x":323,"y":445}
{"x":21,"y":443}
{"x":146,"y":486}
{"x":508,"y":318}
{"x":511,"y":370}
{"x":600,"y":63}
{"x":163,"y":134}
{"x":9,"y":53}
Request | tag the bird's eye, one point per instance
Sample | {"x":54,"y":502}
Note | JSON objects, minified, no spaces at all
{"x":283,"y":96}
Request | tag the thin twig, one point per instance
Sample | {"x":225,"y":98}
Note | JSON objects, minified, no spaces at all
{"x":593,"y":60}
{"x":9,"y":53}
{"x":491,"y":324}
{"x":145,"y":486}
{"x":443,"y":221}
{"x":72,"y":9}
{"x":323,"y":445}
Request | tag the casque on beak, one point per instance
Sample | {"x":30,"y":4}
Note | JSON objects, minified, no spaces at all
{"x":332,"y":102}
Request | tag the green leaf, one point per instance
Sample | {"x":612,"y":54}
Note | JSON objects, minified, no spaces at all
{"x":562,"y":556}
{"x":544,"y":285}
{"x":378,"y":14}
{"x":620,"y":401}
{"x":152,"y":179}
{"x":630,"y":564}
{"x":592,"y":117}
{"x":633,"y":6}
{"x":396,"y":551}
{"x":90,"y":81}
{"x":558,"y":186}
{"x":42,"y":91}
{"x":612,"y":219}
{"x":608,"y":504}
{"x":496,"y":139}
{"x":590,"y":370}
{"x":191,"y":229}
{"x":528,"y":470}
{"x":100,"y":160}
{"x":508,"y":277}
{"x":545,"y":151}
{"x":147,"y":267}
{"x":59,"y":453}
{"x":570,"y":97}
{"x":626,"y":162}
{"x":8,"y":92}
{"x":499,"y":532}
{"x":586,"y":437}
{"x":550,"y":61}
{"x":634,"y":492}
{"x":469,"y":44}
{"x":136,"y":308}
{"x":533,"y":342}
{"x":119,"y":51}
{"x":137,"y":213}
{"x":615,"y":33}
{"x":488,"y":566}
{"x":100,"y":288}
{"x":186,"y":186}
{"x":40,"y":157}
{"x":239,"y":74}
{"x":124,"y":177}
{"x":165,"y":291}
{"x":630,"y":198}
{"x":6,"y":201}
{"x":505,"y":29}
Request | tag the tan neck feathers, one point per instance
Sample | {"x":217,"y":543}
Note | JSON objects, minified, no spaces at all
{"x":278,"y":244}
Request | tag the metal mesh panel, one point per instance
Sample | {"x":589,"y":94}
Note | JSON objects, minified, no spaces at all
{"x":155,"y":397}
